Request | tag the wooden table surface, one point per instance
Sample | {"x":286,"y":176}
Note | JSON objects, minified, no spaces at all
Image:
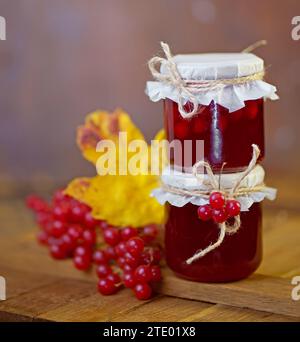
{"x":39,"y":288}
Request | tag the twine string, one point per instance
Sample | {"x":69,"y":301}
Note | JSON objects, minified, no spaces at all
{"x":254,"y":46}
{"x":188,"y":88}
{"x":173,"y":77}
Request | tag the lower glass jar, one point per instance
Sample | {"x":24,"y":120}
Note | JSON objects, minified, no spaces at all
{"x":238,"y":256}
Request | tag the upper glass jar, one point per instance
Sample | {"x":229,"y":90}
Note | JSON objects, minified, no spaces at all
{"x":228,"y":92}
{"x":227,"y":137}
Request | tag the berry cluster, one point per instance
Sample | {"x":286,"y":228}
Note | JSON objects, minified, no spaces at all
{"x":219,"y":209}
{"x":123,"y":256}
{"x":132,"y":252}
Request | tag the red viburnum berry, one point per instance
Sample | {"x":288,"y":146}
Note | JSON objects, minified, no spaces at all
{"x":142,"y":291}
{"x":107,"y":287}
{"x":112,"y":236}
{"x":233,"y":207}
{"x":216,"y":200}
{"x":204,"y":212}
{"x":219,"y":215}
{"x":128,"y":232}
{"x":135,"y":246}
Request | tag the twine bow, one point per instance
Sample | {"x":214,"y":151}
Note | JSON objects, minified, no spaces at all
{"x":224,"y":227}
{"x":188,"y":88}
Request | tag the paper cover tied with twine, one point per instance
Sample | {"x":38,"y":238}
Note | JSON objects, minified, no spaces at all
{"x":247,"y":187}
{"x":229,"y":79}
{"x":188,"y":182}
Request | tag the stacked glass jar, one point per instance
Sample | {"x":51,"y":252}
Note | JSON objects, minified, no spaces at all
{"x":229,"y":119}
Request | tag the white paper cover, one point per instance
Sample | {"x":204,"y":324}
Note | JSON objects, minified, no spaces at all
{"x":190,"y":182}
{"x":212,"y":67}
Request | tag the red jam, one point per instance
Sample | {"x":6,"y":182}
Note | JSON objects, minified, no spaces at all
{"x":238,"y":256}
{"x":227,"y":136}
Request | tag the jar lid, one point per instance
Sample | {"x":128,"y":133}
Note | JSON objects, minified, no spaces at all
{"x":186,"y":181}
{"x":213,"y":66}
{"x":228,"y":79}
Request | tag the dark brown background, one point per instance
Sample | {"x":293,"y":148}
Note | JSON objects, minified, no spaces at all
{"x":64,"y":58}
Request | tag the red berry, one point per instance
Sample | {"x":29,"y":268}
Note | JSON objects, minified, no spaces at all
{"x":121,"y":249}
{"x":83,"y":251}
{"x":143,"y":274}
{"x":135,"y":246}
{"x":75,"y":231}
{"x":128,"y":232}
{"x":121,"y":262}
{"x":89,"y":237}
{"x":142,"y":291}
{"x":103,"y":270}
{"x":216,"y":200}
{"x":89,"y":221}
{"x":61,"y":212}
{"x":146,"y":258}
{"x":57,"y":251}
{"x":107,"y":287}
{"x":233,"y":207}
{"x":151,"y":256}
{"x":82,"y":262}
{"x":129,"y":279}
{"x":131,"y":260}
{"x":103,"y":225}
{"x":68,"y":242}
{"x":78,"y":213}
{"x":150,"y":233}
{"x":36,"y":203}
{"x":47,"y":227}
{"x":127,"y":268}
{"x":42,"y":238}
{"x":112,"y":236}
{"x":59,"y":196}
{"x":110,"y":253}
{"x":100,"y":257}
{"x":115,"y":278}
{"x":58,"y":228}
{"x":204,"y":212}
{"x":156,"y":255}
{"x":155,"y":273}
{"x":43,"y":219}
{"x":219,"y":215}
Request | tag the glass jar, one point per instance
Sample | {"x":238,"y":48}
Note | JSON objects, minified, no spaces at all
{"x":229,"y":92}
{"x":227,"y":137}
{"x":238,"y":256}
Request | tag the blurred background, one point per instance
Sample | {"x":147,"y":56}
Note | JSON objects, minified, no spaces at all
{"x":65,"y":58}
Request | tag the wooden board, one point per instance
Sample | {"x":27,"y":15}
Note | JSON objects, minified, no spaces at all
{"x":39,"y":288}
{"x":258,"y":292}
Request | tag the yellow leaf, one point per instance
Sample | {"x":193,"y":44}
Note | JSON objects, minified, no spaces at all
{"x":121,"y":200}
{"x":101,"y":125}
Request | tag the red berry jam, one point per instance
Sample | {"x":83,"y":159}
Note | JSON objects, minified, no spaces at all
{"x":237,"y":257}
{"x":227,"y":137}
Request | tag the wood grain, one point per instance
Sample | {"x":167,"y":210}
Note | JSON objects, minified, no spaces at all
{"x":40,"y":288}
{"x":259,"y":292}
